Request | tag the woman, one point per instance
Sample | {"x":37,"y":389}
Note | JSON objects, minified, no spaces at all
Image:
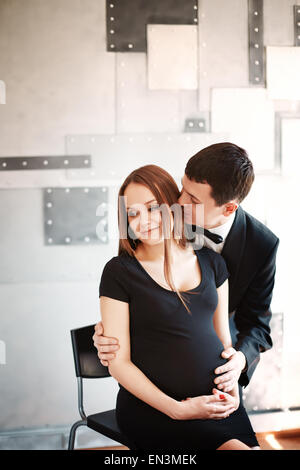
{"x":168,"y":306}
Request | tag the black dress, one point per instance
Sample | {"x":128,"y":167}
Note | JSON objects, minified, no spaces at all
{"x":177,"y":351}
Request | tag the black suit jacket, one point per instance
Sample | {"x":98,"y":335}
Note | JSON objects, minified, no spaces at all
{"x":250,"y":254}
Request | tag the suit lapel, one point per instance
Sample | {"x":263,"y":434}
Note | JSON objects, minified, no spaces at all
{"x":234,"y":248}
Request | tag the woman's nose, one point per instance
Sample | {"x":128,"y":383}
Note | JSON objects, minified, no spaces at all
{"x":144,"y":220}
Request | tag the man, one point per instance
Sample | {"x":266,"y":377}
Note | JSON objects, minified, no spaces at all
{"x":220,"y":177}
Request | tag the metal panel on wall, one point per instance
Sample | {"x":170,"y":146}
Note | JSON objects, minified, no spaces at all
{"x":39,"y":172}
{"x":70,"y":216}
{"x":256,"y":42}
{"x":44,"y":163}
{"x":297,"y":25}
{"x":124,"y":34}
{"x":32,"y":172}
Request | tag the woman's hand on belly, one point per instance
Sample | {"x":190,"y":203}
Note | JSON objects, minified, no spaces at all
{"x":231,"y":397}
{"x":207,"y":407}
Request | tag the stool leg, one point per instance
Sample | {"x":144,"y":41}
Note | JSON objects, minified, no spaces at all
{"x":73,"y":432}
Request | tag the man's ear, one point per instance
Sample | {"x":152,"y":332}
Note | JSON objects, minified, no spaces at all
{"x":230,"y":208}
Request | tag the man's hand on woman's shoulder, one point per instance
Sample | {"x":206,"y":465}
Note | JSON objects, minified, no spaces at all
{"x":105,"y":346}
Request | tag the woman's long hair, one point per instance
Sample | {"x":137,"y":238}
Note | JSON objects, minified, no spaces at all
{"x":166,"y":192}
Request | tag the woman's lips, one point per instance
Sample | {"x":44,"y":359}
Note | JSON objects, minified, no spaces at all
{"x":148,"y":231}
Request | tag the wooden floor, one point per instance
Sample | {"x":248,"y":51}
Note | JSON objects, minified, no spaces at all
{"x":279,"y":440}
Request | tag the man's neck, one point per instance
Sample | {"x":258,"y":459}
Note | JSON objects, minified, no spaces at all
{"x":223,"y":221}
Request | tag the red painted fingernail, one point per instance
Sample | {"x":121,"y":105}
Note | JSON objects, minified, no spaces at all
{"x":222,"y":397}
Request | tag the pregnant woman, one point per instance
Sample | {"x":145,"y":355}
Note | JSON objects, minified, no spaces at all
{"x":168,"y":306}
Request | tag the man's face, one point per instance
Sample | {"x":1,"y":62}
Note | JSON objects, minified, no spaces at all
{"x":200,"y":206}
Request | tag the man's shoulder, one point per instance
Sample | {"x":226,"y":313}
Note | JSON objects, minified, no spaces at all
{"x":208,"y":253}
{"x":214,"y":259}
{"x":258,"y":232}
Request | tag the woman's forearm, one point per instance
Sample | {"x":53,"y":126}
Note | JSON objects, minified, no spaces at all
{"x":137,"y":383}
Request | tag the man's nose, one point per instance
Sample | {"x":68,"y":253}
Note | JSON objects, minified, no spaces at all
{"x":182,"y":199}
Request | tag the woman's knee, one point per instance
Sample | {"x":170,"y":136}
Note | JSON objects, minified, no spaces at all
{"x":234,"y":444}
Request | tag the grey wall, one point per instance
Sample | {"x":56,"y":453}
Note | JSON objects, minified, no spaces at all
{"x":65,"y":94}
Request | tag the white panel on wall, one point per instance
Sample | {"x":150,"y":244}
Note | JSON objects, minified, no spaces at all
{"x":248,"y":116}
{"x":172,"y":57}
{"x":264,"y":202}
{"x":255,"y":202}
{"x":283,"y":73}
{"x":114,"y":157}
{"x":283,"y":217}
{"x":139,"y":109}
{"x":223,"y":46}
{"x":32,"y":178}
{"x":278,"y":22}
{"x":290,"y":156}
{"x":188,"y":106}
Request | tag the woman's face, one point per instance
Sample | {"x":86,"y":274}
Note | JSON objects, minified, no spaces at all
{"x":144,"y":214}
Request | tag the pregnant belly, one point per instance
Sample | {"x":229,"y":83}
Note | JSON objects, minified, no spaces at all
{"x":180,"y":366}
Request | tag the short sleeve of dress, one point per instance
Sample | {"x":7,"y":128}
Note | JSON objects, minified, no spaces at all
{"x":113,"y":281}
{"x":220,"y":268}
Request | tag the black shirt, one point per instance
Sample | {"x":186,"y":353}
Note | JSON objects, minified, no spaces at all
{"x":176,"y":350}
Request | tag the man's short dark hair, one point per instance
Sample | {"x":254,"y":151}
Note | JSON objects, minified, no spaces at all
{"x":226,"y":168}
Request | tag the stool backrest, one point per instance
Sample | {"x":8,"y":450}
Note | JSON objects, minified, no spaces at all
{"x":87,"y":362}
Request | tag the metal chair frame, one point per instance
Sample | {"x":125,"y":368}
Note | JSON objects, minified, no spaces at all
{"x":107,"y":416}
{"x":83,"y":421}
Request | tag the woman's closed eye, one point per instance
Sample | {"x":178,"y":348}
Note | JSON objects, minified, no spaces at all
{"x":154,"y":207}
{"x":134,"y":213}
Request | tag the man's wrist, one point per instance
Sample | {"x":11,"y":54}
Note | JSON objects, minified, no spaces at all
{"x":243,"y":361}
